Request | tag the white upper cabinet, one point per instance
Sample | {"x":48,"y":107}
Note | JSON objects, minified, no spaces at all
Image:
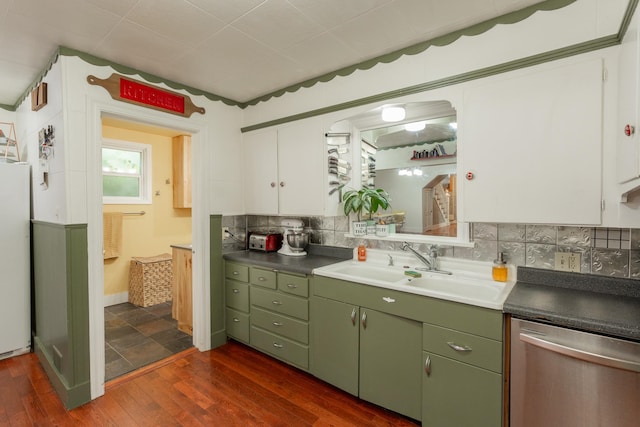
{"x":285,"y":170}
{"x":530,"y":146}
{"x":628,"y":150}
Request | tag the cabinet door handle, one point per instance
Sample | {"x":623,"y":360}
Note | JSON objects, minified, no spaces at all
{"x":236,"y":291}
{"x":276,"y":302}
{"x":292,"y":286}
{"x":353,"y":316}
{"x":388,"y":299}
{"x":364,"y":320}
{"x":459,"y":348}
{"x":427,"y":365}
{"x":281,"y":183}
{"x":273,"y":184}
{"x":278,"y":324}
{"x":236,"y":320}
{"x":276,"y":345}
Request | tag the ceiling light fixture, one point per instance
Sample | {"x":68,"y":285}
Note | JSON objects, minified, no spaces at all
{"x":393,"y":114}
{"x":415,"y":126}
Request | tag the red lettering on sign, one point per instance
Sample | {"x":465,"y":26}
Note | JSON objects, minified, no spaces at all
{"x":144,"y":94}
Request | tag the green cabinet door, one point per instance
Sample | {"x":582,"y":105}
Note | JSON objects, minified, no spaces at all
{"x":390,"y":362}
{"x":334,"y":343}
{"x":456,"y":394}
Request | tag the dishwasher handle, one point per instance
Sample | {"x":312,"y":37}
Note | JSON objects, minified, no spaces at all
{"x":576,"y":353}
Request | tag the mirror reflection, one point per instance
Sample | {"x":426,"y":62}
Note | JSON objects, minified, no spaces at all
{"x":415,"y":162}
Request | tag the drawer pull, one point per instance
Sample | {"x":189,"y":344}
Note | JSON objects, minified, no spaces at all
{"x":292,"y":286}
{"x":235,"y":273}
{"x":278,"y":324}
{"x":262,"y":279}
{"x":388,"y":299}
{"x":236,"y":320}
{"x":459,"y":348}
{"x":427,"y":365}
{"x":353,"y":316}
{"x":236,"y":291}
{"x":276,"y":345}
{"x":276,"y":302}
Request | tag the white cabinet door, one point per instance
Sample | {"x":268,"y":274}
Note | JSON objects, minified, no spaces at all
{"x":302,"y":159}
{"x":533,"y":145}
{"x":261,"y":172}
{"x":628,"y":150}
{"x":285,"y":170}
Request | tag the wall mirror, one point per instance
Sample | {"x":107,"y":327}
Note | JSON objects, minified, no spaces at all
{"x":415,"y":160}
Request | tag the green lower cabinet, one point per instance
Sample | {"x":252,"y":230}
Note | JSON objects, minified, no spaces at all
{"x":367,"y":353}
{"x":390,"y":348}
{"x":334,"y":344}
{"x":459,"y":395}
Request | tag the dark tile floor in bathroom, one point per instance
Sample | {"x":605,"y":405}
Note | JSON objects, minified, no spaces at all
{"x":137,"y":336}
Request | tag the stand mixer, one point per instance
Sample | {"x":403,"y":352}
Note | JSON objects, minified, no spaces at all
{"x":295,"y":240}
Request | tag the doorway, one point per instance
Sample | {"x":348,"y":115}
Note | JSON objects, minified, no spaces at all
{"x":142,"y":226}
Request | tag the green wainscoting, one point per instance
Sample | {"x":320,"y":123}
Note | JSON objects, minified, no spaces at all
{"x":216,"y":282}
{"x":61,"y":336}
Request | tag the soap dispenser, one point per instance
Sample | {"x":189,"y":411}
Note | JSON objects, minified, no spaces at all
{"x":362,"y":252}
{"x":500,"y":271}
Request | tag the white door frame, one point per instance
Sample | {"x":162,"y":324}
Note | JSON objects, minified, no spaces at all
{"x":199,"y":218}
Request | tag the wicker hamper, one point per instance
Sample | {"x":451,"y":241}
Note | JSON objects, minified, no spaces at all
{"x":150,"y":280}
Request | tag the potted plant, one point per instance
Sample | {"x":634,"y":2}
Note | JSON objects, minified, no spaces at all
{"x":366,"y":199}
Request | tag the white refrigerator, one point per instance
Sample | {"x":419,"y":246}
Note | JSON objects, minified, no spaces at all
{"x":15,"y":259}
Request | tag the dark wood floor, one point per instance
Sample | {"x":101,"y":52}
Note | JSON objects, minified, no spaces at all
{"x":230,"y":386}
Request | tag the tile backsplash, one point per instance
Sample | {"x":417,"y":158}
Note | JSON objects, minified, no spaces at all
{"x":604,"y":251}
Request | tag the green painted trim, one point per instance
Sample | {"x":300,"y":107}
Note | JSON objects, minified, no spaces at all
{"x":61,"y":267}
{"x":474,"y":30}
{"x":71,"y":396}
{"x":36,"y":82}
{"x":626,"y":19}
{"x":553,"y":55}
{"x":94,"y":60}
{"x":218,"y":332}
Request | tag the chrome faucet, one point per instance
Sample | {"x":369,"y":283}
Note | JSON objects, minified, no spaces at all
{"x":430,"y":262}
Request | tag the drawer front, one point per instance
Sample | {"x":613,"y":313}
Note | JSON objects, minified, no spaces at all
{"x":296,"y":285}
{"x":463,"y":317}
{"x":237,"y":325}
{"x":472,"y":349}
{"x":282,"y":348}
{"x":282,"y":325}
{"x":236,"y":271}
{"x":262,"y":277}
{"x":280,"y":302}
{"x":237,"y":295}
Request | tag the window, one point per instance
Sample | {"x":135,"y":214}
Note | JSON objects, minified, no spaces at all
{"x":126,"y":172}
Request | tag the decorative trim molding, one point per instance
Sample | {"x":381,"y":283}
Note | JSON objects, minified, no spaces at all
{"x":509,"y":18}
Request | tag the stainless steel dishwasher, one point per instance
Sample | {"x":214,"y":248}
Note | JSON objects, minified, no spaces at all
{"x":563,"y":377}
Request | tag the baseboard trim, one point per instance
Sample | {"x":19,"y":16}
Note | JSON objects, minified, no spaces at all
{"x":115,"y":299}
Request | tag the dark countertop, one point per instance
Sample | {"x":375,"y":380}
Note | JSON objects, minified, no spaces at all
{"x":317,"y":256}
{"x":598,"y":304}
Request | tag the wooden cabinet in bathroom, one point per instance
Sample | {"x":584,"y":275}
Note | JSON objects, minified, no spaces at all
{"x":181,"y":151}
{"x":182,"y":295}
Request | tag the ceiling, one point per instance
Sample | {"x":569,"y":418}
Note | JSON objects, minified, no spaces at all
{"x":238,"y":49}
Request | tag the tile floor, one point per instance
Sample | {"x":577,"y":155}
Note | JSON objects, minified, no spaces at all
{"x":137,"y":336}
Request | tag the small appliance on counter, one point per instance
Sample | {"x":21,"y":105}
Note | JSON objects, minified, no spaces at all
{"x":265,"y":242}
{"x":295,"y":240}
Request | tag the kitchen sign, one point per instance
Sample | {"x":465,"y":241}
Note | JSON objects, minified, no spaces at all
{"x":128,"y":90}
